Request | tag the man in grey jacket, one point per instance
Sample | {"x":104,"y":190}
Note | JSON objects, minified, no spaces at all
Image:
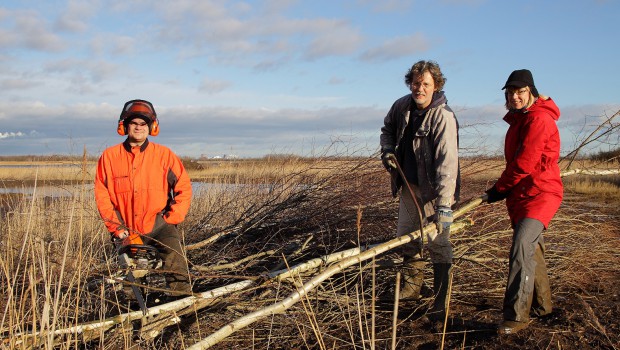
{"x":420,"y":134}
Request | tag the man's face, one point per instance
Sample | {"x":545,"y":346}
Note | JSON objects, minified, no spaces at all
{"x":422,"y":88}
{"x":137,"y":130}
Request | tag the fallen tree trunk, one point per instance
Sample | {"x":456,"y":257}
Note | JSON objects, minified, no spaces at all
{"x":590,"y":172}
{"x":94,"y":330}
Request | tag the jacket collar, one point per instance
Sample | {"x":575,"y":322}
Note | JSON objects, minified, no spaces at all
{"x":544,"y":105}
{"x":439,"y":98}
{"x":127,"y":146}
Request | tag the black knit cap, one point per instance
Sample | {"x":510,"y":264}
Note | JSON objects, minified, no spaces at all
{"x":521,"y":78}
{"x":131,"y":117}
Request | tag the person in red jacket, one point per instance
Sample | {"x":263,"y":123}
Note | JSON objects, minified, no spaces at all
{"x":143,"y":191}
{"x":533,"y":190}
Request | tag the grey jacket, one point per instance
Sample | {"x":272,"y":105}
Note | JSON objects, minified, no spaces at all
{"x":435,"y":146}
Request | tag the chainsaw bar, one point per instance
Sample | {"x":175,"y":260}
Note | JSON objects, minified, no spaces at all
{"x":137,"y":292}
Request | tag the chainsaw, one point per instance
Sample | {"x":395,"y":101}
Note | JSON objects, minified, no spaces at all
{"x":137,"y":260}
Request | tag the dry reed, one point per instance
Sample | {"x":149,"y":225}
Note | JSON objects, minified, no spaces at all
{"x":53,"y":248}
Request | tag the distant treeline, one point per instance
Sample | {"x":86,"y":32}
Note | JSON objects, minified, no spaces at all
{"x":612,"y":155}
{"x":605,"y":156}
{"x":46,"y":158}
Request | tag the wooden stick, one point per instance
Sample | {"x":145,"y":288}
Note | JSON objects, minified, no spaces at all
{"x":372,"y":307}
{"x":395,"y":315}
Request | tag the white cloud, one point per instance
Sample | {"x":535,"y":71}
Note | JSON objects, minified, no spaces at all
{"x":21,"y":83}
{"x":335,"y":38}
{"x":389,"y":5}
{"x":83,"y":71}
{"x":123,"y":45}
{"x":76,"y":16}
{"x":271,"y":64}
{"x":211,"y":86}
{"x":587,"y":116}
{"x":27,"y":29}
{"x":4,"y":135}
{"x":234,"y":33}
{"x":336,"y":81}
{"x":113,"y":45}
{"x":397,"y":47}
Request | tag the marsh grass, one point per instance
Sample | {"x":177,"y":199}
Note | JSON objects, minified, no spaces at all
{"x":48,"y":248}
{"x":50,"y":175}
{"x":604,"y":186}
{"x":52,"y":248}
{"x":248,"y":171}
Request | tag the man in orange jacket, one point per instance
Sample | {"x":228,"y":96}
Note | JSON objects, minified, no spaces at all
{"x":143,"y":191}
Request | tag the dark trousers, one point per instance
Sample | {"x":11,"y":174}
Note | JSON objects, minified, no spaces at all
{"x":166,"y":239}
{"x":528,"y":281}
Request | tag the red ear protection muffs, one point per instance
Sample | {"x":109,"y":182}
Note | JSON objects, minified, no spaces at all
{"x":138,"y":108}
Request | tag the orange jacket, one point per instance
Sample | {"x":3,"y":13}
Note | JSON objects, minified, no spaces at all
{"x":134,"y":185}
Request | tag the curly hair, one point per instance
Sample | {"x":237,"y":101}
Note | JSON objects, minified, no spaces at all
{"x":426,"y":66}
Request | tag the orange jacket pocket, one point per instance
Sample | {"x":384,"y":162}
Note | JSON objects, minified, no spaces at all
{"x":122,"y":184}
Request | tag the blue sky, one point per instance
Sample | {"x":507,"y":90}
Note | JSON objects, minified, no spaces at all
{"x":306,"y":77}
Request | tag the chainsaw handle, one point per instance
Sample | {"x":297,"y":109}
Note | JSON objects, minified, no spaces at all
{"x":143,"y":250}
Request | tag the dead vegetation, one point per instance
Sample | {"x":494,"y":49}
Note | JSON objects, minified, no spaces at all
{"x":243,"y":238}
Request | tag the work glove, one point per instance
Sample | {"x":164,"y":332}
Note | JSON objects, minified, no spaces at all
{"x":119,"y":235}
{"x":444,"y":219}
{"x":388,"y":159}
{"x":493,"y":195}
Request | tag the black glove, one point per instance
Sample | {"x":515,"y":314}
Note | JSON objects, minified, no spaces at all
{"x":387,"y":157}
{"x":493,"y":195}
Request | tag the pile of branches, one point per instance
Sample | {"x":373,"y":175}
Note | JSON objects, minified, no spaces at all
{"x":316,"y":212}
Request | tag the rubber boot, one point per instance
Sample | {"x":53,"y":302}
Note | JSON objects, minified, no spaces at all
{"x":541,"y":300}
{"x":520,"y":315}
{"x":511,"y":327}
{"x":441,"y":283}
{"x":412,"y":279}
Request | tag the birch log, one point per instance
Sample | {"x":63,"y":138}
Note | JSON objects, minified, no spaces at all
{"x":599,"y":172}
{"x":93,"y":330}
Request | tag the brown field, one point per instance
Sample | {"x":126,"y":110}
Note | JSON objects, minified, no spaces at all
{"x":53,"y":249}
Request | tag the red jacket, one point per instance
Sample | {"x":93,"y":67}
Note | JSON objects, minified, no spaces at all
{"x":532,"y":174}
{"x":134,"y":185}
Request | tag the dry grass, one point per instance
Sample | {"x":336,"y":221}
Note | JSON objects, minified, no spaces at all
{"x":603,"y":187}
{"x":259,"y":170}
{"x":45,"y":171}
{"x":215,"y":171}
{"x":52,"y":248}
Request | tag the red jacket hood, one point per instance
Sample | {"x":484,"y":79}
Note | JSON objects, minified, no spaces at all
{"x":541,"y":105}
